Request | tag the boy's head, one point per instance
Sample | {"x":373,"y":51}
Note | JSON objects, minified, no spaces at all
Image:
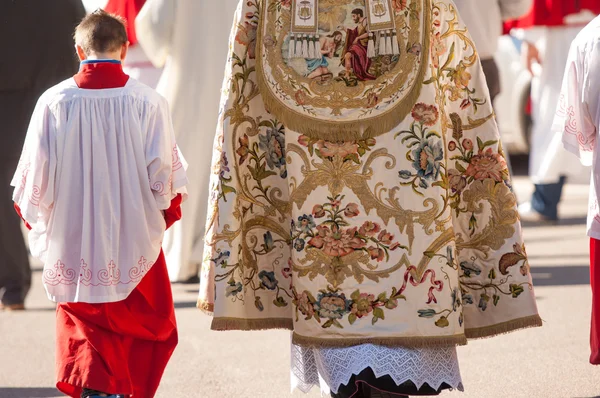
{"x":101,"y":35}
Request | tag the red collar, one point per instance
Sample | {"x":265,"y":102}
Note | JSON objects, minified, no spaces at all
{"x":101,"y":75}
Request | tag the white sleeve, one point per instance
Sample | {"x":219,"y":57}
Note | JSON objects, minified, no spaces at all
{"x":572,"y":119}
{"x":34,"y":179}
{"x":165,"y":163}
{"x":154,"y":29}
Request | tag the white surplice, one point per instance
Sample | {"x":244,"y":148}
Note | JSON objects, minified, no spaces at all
{"x":190,"y":39}
{"x":97,"y":169}
{"x":578,"y":114}
{"x":547,"y":163}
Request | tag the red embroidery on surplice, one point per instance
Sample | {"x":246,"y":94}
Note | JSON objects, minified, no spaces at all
{"x":137,"y":273}
{"x":111,"y":275}
{"x":176,"y":159}
{"x":85,"y":274}
{"x":59,"y":274}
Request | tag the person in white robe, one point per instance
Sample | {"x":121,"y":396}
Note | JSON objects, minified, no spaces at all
{"x":189,"y":38}
{"x":546,"y":47}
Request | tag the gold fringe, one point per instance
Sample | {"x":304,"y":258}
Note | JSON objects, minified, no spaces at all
{"x":335,"y":130}
{"x":206,"y":307}
{"x":223,"y":323}
{"x":532,"y":321}
{"x":412,"y":341}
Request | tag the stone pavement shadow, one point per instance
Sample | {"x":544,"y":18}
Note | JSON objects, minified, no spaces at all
{"x":33,"y":392}
{"x":566,"y":221}
{"x":180,"y":305}
{"x":561,"y":276}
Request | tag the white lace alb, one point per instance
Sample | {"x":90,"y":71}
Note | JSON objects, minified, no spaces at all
{"x":330,"y":368}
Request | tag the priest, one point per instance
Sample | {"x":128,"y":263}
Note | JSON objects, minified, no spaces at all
{"x":548,"y":31}
{"x":374,"y":218}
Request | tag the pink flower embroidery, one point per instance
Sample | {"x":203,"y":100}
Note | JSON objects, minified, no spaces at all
{"x":342,"y":149}
{"x":487,"y":165}
{"x":336,"y":242}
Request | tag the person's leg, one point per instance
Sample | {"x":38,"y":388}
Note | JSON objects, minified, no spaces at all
{"x":546,"y":197}
{"x":15,"y":272}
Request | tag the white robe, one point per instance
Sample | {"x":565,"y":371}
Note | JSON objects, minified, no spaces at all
{"x":190,"y":39}
{"x":578,"y":115}
{"x":547,"y":163}
{"x":97,"y":169}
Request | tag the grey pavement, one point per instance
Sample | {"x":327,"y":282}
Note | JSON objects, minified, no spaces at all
{"x":551,"y":361}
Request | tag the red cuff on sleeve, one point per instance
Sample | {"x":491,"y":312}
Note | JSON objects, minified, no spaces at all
{"x":173,"y":213}
{"x":18,"y":210}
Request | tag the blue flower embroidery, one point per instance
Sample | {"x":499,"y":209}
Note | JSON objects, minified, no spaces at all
{"x":332,"y":305}
{"x":427,"y":159}
{"x":267,"y":279}
{"x":299,"y":244}
{"x":273,"y":144}
{"x":233,"y":289}
{"x":307,"y":223}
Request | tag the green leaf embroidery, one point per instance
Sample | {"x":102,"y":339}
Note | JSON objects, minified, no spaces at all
{"x":352,"y":318}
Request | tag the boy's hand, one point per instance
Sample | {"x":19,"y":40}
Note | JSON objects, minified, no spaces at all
{"x":531,"y":56}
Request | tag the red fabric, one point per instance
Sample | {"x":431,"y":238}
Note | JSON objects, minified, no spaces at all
{"x":595,"y":282}
{"x":18,"y":210}
{"x":129,"y":10}
{"x":101,"y":75}
{"x":360,"y":61}
{"x":552,"y":13}
{"x":122,"y":347}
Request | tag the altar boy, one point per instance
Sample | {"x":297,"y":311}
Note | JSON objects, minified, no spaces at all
{"x":99,"y":180}
{"x":576,"y":124}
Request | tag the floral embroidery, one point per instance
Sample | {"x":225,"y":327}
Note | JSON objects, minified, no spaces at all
{"x":273,"y":144}
{"x":334,"y":240}
{"x":452,"y":191}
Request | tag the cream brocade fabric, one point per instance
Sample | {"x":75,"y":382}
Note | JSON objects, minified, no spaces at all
{"x":403,"y":232}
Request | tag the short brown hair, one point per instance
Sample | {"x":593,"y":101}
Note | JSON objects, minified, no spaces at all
{"x":101,"y":32}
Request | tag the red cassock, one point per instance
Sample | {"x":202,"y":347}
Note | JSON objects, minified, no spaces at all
{"x":552,"y":12}
{"x":595,"y":282}
{"x":128,"y":9}
{"x":121,"y":347}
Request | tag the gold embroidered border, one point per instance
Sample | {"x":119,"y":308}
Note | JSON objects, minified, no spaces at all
{"x":206,"y":307}
{"x":334,"y":130}
{"x":532,"y":321}
{"x":226,"y":323}
{"x":408,"y":341}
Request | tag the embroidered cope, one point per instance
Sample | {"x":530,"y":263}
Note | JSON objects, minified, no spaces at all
{"x":85,"y":154}
{"x":361,"y":202}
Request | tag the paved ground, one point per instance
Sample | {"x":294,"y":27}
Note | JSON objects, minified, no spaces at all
{"x":546,"y":362}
